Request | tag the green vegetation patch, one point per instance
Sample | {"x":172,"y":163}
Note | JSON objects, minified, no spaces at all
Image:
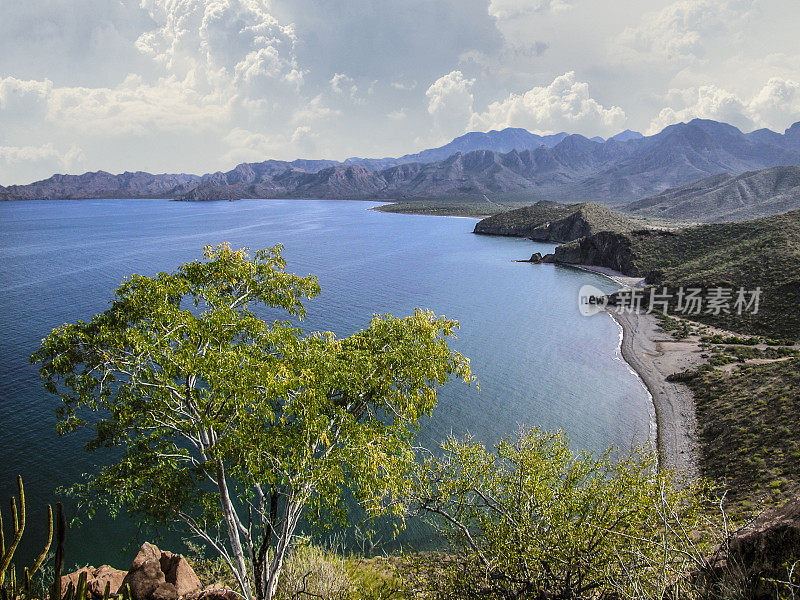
{"x":763,"y":253}
{"x":747,"y":422}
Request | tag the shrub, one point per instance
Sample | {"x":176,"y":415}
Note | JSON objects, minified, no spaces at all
{"x":535,"y":520}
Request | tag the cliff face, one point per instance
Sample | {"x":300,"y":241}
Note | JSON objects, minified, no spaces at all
{"x":525,"y":221}
{"x":603,"y":249}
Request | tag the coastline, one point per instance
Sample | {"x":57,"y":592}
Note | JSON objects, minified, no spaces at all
{"x":654,"y":355}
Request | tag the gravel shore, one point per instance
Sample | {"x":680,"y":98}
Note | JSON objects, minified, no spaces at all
{"x":654,"y":355}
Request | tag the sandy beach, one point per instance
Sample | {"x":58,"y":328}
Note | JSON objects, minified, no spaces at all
{"x":654,"y":355}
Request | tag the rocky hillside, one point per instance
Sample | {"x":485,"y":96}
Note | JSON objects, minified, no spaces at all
{"x":102,"y":185}
{"x":726,"y":197}
{"x":506,"y":140}
{"x":550,"y":222}
{"x":762,"y":253}
{"x":612,"y":172}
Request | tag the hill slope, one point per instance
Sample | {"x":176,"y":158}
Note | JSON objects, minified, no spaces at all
{"x":550,"y":222}
{"x":761,"y":253}
{"x":727,"y":197}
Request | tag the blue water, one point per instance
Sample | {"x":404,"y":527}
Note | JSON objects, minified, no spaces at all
{"x":538,"y":360}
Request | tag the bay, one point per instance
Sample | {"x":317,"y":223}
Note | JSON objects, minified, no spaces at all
{"x":539,"y":362}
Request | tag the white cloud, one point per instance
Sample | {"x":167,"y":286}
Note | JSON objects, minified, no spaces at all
{"x":21,"y":164}
{"x":774,"y":106}
{"x":564,"y":105}
{"x":399,"y":85}
{"x":509,"y":9}
{"x":219,"y":42}
{"x":133,"y":107}
{"x":450,"y":96}
{"x":340,"y":81}
{"x":681,"y":31}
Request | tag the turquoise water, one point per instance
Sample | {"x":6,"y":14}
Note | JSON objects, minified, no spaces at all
{"x":538,"y":360}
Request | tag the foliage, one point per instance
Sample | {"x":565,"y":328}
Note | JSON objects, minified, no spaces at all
{"x":745,"y":420}
{"x":312,"y":571}
{"x":236,"y":427}
{"x":761,"y":253}
{"x":535,"y":520}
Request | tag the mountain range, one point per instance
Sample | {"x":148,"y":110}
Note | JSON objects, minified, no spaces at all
{"x":511,"y":164}
{"x":726,"y":197}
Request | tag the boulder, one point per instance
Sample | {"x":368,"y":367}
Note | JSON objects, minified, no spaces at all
{"x":102,"y":575}
{"x":164,"y":591}
{"x":72,"y":578}
{"x":144,"y":578}
{"x":216,"y":591}
{"x":157,"y":575}
{"x":179,"y":573}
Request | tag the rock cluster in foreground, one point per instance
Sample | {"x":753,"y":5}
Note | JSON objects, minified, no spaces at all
{"x":153,"y":575}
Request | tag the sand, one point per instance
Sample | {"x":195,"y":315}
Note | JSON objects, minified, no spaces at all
{"x":654,"y":355}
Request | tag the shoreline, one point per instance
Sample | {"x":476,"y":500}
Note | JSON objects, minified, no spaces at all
{"x":654,"y":355}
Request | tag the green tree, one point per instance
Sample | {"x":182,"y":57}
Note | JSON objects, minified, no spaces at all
{"x":535,"y":520}
{"x":236,"y":427}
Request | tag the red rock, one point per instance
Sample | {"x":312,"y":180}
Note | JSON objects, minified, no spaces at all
{"x":157,"y":575}
{"x":179,"y":573}
{"x":73,"y":578}
{"x":165,"y":591}
{"x":217,"y":591}
{"x":97,"y":584}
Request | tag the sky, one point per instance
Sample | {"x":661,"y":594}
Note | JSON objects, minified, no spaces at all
{"x":201,"y":85}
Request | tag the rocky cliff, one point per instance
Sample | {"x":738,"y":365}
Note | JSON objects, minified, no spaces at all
{"x":603,"y":249}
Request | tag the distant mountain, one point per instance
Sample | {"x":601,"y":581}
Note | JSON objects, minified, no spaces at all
{"x":573,"y":169}
{"x":549,"y":222}
{"x":506,"y":140}
{"x":727,"y":197}
{"x":628,"y":135}
{"x":100,"y":184}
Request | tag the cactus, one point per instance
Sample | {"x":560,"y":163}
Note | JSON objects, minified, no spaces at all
{"x":43,"y":555}
{"x":58,"y":563}
{"x":70,"y":595}
{"x":7,"y":554}
{"x":18,"y":521}
{"x":80,"y":590}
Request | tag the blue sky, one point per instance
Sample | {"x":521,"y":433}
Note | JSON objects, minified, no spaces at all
{"x":201,"y":85}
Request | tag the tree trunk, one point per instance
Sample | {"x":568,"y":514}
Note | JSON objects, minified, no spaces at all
{"x":233,"y":533}
{"x":292,"y":510}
